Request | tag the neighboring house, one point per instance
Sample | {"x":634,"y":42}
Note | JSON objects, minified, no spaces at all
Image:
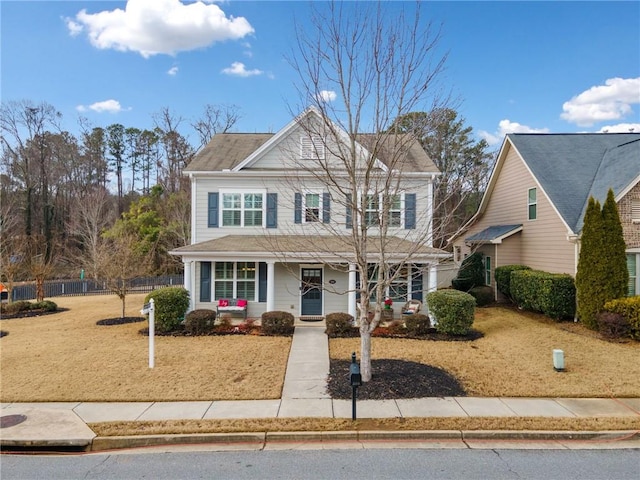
{"x":533,"y":210}
{"x":265,"y":231}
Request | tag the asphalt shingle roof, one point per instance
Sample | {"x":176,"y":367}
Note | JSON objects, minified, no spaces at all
{"x":492,"y":233}
{"x":573,"y":167}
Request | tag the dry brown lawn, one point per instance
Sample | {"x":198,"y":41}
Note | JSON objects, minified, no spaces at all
{"x":67,"y":357}
{"x":514,"y":359}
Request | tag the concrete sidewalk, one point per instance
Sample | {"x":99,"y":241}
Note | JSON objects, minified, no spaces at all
{"x":304,"y":395}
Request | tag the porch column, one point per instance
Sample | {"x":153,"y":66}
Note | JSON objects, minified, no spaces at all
{"x":433,"y":278}
{"x":352,"y":291}
{"x":271,"y":287}
{"x":188,"y":283}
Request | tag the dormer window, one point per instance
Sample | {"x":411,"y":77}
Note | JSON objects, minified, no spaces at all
{"x":311,"y":148}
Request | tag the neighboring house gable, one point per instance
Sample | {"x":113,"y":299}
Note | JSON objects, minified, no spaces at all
{"x":543,"y":182}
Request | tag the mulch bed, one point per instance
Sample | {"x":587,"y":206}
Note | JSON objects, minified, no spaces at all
{"x":30,"y":313}
{"x":432,"y":334}
{"x":394,"y":379}
{"x":3,"y":333}
{"x":120,"y":320}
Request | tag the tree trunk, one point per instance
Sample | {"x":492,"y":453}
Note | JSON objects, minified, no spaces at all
{"x":365,"y":351}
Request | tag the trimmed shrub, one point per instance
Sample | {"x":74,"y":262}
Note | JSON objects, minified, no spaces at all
{"x":338,"y":324}
{"x":171,"y":304}
{"x":199,"y":322}
{"x":483,"y":295}
{"x":453,"y":311}
{"x":471,"y":273}
{"x":629,"y":308}
{"x":277,"y":323}
{"x":553,"y":294}
{"x":613,"y":325}
{"x":503,"y":278}
{"x":17,"y":307}
{"x":417,"y":324}
{"x":46,"y":305}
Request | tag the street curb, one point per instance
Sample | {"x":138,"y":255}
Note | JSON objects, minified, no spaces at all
{"x":260,"y":439}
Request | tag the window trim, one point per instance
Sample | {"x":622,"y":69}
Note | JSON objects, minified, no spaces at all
{"x":533,"y":203}
{"x":242,"y":192}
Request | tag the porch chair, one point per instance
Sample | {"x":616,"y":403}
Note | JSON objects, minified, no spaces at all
{"x":411,"y":307}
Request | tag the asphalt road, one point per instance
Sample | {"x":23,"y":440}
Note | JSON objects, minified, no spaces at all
{"x":497,"y":464}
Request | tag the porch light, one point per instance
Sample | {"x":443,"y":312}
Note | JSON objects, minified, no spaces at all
{"x":558,"y":360}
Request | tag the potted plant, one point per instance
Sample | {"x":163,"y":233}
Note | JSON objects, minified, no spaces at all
{"x":387,"y":311}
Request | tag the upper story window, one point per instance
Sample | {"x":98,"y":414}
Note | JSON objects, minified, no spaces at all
{"x":532,"y":204}
{"x":374,"y":206}
{"x":312,"y":207}
{"x":242,"y":209}
{"x":311,"y":148}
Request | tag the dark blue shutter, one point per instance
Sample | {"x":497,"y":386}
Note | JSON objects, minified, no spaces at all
{"x":349,"y":221}
{"x":410,"y":210}
{"x":205,"y":281}
{"x":326,"y":207}
{"x":213,"y":210}
{"x":416,"y":283}
{"x":272,"y":210}
{"x":297,"y":208}
{"x":262,"y":282}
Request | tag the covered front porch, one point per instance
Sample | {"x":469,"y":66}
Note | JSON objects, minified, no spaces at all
{"x":282,"y":274}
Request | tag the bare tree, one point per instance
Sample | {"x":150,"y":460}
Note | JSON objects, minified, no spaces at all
{"x":94,"y":214}
{"x":361,"y":68}
{"x":215,"y":119}
{"x":119,"y":262}
{"x":177,"y":151}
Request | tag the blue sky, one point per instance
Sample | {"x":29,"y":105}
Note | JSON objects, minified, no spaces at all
{"x":515,"y":66}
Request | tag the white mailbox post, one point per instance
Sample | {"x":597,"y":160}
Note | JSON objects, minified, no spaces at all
{"x":149,"y":309}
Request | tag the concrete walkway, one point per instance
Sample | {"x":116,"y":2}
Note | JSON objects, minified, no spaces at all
{"x":304,"y":395}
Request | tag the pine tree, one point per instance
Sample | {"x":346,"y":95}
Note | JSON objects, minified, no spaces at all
{"x":616,"y":276}
{"x":589,"y":277}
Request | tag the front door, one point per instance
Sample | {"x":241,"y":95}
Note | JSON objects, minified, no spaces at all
{"x":311,"y":290}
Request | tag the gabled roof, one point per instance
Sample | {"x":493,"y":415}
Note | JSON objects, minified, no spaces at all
{"x":494,"y":234}
{"x":572,"y":167}
{"x":235,"y":151}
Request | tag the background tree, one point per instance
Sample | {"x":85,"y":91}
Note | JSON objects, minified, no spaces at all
{"x":116,"y":147}
{"x":616,"y":274}
{"x":379,"y":68}
{"x":591,"y":266}
{"x":215,"y":119}
{"x":464,"y":164}
{"x":177,"y":153}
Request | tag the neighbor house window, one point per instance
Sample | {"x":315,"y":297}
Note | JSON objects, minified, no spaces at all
{"x":395,"y":211}
{"x":635,"y":210}
{"x":372,"y":209}
{"x":234,"y":280}
{"x":242,"y":209}
{"x":487,"y":270}
{"x":532,"y":204}
{"x":311,"y":148}
{"x":633,"y":265}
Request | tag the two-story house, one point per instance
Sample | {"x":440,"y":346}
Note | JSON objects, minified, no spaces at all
{"x":267,"y":228}
{"x":532,"y":212}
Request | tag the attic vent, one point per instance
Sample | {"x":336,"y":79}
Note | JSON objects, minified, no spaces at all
{"x":311,"y":148}
{"x":635,"y":210}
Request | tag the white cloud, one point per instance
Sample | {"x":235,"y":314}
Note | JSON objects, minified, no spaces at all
{"x":507,"y":126}
{"x":327,"y":96}
{"x":611,"y":101}
{"x":621,"y":128}
{"x":109,"y":106}
{"x":238,"y":69}
{"x":152,"y":27}
{"x":172,"y":71}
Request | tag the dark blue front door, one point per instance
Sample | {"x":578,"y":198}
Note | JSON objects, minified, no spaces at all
{"x":311,"y":289}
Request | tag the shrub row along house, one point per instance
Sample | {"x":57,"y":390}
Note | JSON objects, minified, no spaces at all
{"x":268,"y":228}
{"x":532,"y":212}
